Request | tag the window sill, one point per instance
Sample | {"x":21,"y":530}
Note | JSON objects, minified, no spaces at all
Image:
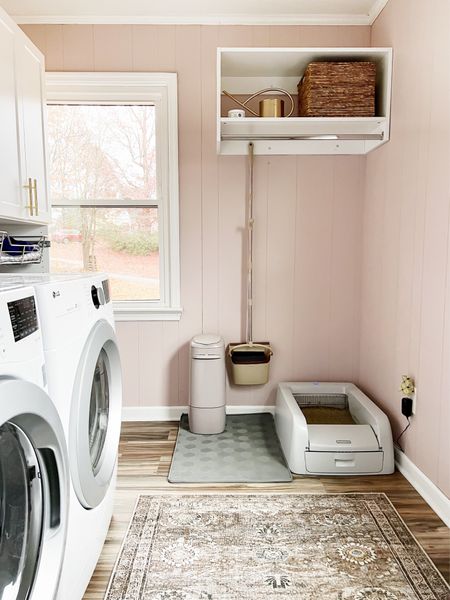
{"x":134,"y":312}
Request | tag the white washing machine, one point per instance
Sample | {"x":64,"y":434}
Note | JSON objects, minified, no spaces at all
{"x":34,"y":471}
{"x":85,"y":383}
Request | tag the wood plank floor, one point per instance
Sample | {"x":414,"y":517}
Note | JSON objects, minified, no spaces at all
{"x":144,"y":459}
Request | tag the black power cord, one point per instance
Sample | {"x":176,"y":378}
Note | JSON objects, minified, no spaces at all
{"x":400,"y":435}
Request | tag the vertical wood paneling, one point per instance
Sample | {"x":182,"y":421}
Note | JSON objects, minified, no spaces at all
{"x":405,"y":301}
{"x":435,"y":252}
{"x":299,"y":211}
{"x":442,"y":69}
{"x":171,"y":365}
{"x":127,"y":336}
{"x":210,"y":174}
{"x":154,"y":48}
{"x":238,"y":36}
{"x":231,"y":262}
{"x":389,"y":279}
{"x":260,"y":246}
{"x":345,"y":282}
{"x":188,"y":67}
{"x":282,"y":189}
{"x":313,"y":266}
{"x":113,"y":48}
{"x":78,"y":47}
{"x":54,"y":48}
{"x":288,"y":36}
{"x":407,"y":97}
{"x":443,"y":459}
{"x":360,"y":36}
{"x":371,"y":294}
{"x":152,"y":363}
{"x":49,"y":39}
{"x":316,"y":36}
{"x":260,"y":36}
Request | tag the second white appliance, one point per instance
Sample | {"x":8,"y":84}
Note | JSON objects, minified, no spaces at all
{"x":34,"y":472}
{"x":85,"y":383}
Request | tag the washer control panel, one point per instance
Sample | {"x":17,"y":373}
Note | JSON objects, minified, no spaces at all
{"x":23,"y":317}
{"x":21,"y":352}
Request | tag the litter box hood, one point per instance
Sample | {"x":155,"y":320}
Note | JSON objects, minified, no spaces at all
{"x":342,"y":438}
{"x":364,"y":447}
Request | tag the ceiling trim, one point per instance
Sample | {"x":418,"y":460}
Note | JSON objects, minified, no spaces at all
{"x":238,"y":19}
{"x":376,"y":9}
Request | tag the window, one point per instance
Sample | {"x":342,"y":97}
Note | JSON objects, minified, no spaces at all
{"x":113,"y":168}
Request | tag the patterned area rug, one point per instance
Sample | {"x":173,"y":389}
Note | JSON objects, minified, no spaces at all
{"x":255,"y":547}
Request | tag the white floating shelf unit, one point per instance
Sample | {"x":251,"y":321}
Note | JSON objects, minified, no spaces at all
{"x":244,"y":71}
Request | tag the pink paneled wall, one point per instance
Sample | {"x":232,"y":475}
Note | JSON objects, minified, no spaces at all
{"x":351,"y":253}
{"x":308,"y":217}
{"x":405,"y":304}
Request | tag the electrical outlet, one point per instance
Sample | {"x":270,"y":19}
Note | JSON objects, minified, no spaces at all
{"x":414,"y":401}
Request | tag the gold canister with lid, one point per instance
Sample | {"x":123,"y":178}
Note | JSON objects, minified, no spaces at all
{"x":271,"y":107}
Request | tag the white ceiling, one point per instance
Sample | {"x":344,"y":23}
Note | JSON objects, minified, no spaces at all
{"x":275,"y":12}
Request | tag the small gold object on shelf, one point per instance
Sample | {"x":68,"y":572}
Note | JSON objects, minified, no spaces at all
{"x":268,"y":107}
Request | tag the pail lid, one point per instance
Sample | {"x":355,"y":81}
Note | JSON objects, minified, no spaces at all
{"x":207,"y":339}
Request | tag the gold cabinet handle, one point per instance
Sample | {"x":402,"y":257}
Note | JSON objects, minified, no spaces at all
{"x":36,"y":205}
{"x":30,"y":187}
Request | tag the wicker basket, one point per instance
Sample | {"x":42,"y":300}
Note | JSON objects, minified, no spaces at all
{"x":337,"y":89}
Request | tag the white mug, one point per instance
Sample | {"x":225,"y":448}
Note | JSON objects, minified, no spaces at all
{"x":236,"y":113}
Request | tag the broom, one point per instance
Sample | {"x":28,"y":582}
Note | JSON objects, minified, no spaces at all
{"x":250,"y":360}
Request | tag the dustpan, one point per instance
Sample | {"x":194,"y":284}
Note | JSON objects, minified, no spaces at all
{"x":250,"y":361}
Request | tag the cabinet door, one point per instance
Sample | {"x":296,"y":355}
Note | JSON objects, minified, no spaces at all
{"x":32,"y":125}
{"x":10,"y":179}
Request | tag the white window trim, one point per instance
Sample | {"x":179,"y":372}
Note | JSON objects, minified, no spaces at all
{"x":152,"y":88}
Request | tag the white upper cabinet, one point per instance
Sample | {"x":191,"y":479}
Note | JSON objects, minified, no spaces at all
{"x":23,"y":175}
{"x":244,"y":71}
{"x":11,"y":196}
{"x":31,"y":104}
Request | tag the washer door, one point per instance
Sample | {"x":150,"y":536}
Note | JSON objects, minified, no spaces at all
{"x":96,"y":416}
{"x":33,"y":493}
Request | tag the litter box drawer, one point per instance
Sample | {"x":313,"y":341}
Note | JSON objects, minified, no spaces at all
{"x":341,"y":463}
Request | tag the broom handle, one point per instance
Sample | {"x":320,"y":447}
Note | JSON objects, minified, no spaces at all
{"x":249,"y":332}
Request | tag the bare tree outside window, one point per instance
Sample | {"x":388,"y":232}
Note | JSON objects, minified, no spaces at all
{"x":103,"y":187}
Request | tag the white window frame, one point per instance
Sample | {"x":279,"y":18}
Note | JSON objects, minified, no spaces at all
{"x":159,"y":89}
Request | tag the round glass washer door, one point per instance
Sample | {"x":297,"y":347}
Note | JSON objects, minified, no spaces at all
{"x":99,"y":410}
{"x":34,"y":492}
{"x":96,"y":416}
{"x":21,"y":513}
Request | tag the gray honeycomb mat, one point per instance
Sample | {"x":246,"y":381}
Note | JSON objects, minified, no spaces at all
{"x":248,"y":451}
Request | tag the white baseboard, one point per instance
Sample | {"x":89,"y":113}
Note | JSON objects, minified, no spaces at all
{"x":173,"y":413}
{"x":152,"y":413}
{"x":424,"y":486}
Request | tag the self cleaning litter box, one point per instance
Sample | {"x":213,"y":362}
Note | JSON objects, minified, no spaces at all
{"x":332,"y":429}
